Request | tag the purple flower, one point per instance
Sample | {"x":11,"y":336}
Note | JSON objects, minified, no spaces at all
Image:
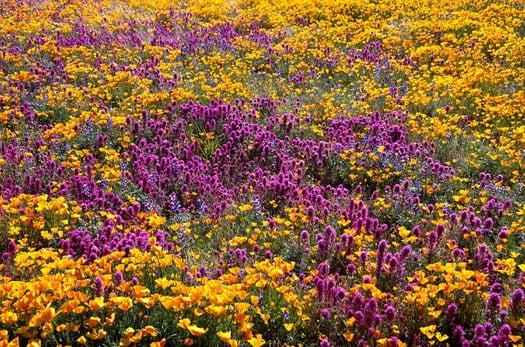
{"x":371,"y":306}
{"x":503,"y":234}
{"x":304,"y":235}
{"x":505,"y":330}
{"x":92,"y":257}
{"x":489,"y":328}
{"x":479,"y":341}
{"x":359,"y":317}
{"x":390,"y":313}
{"x":459,"y":333}
{"x":493,"y":303}
{"x":325,"y":342}
{"x":432,"y":237}
{"x":496,"y":288}
{"x":325,"y":313}
{"x":381,"y":248}
{"x":479,"y":330}
{"x":488,"y":223}
{"x":494,"y":341}
{"x":6,"y":256}
{"x":330,"y":233}
{"x":405,"y":251}
{"x":324,"y":269}
{"x":451,"y":312}
{"x":517,"y":298}
{"x":340,"y":293}
{"x":99,"y":286}
{"x":11,"y":248}
{"x":118,"y":278}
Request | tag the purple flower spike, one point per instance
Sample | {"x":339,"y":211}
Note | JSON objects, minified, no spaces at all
{"x":325,"y":342}
{"x":505,"y":330}
{"x":118,"y":278}
{"x":493,"y":303}
{"x":517,"y":297}
{"x":99,"y":286}
{"x":390,"y":313}
{"x":488,"y":223}
{"x":11,"y":248}
{"x":451,"y":312}
{"x":304,"y":235}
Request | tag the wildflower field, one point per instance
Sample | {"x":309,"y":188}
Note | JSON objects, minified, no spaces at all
{"x":256,"y":172}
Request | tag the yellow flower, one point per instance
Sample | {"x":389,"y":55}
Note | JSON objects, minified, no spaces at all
{"x":256,"y":341}
{"x":108,"y":321}
{"x":184,"y":323}
{"x":122,"y":302}
{"x":246,"y":329}
{"x":254,"y":300}
{"x":92,"y":322}
{"x":96,"y":334}
{"x":14,"y":343}
{"x":129,"y":332}
{"x":514,"y":338}
{"x":245,"y":207}
{"x":429,"y":331}
{"x":160,"y":343}
{"x":196,"y":331}
{"x":156,"y":221}
{"x":216,"y":310}
{"x":140,"y":292}
{"x":506,"y":266}
{"x":463,"y":197}
{"x":348,"y":336}
{"x":8,"y":318}
{"x":97,"y":304}
{"x":441,"y":337}
{"x":265,"y":317}
{"x":241,"y":307}
{"x":175,"y":303}
{"x":225,"y":336}
{"x":149,"y":331}
{"x":437,"y":267}
{"x":34,"y":343}
{"x":46,"y":315}
{"x":163,"y":283}
{"x":405,"y":234}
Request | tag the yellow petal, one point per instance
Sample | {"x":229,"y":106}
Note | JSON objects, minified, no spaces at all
{"x":184,"y":323}
{"x":225,"y":336}
{"x":196,"y":331}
